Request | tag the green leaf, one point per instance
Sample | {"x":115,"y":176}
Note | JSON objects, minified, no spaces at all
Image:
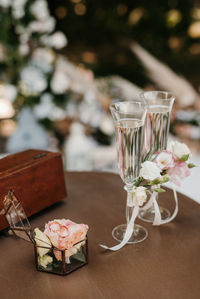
{"x":155,"y":182}
{"x":159,"y":190}
{"x":139,"y":180}
{"x":191,"y":165}
{"x":184,"y":157}
{"x":165,"y":179}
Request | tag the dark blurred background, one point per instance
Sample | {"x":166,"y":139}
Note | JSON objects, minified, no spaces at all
{"x":99,"y":32}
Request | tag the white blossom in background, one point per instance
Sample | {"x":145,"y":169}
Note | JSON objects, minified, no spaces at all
{"x":106,"y":125}
{"x":57,"y":40}
{"x":9,"y":92}
{"x":40,"y":10}
{"x":5,"y":3}
{"x":58,"y":114}
{"x":33,"y":81}
{"x":43,"y":59}
{"x":24,"y":34}
{"x":81,"y":80}
{"x":78,"y":149}
{"x":20,"y":29}
{"x":45,"y":107}
{"x":29,"y":134}
{"x":89,"y":109}
{"x":24,"y":49}
{"x":60,"y":82}
{"x":71,"y":109}
{"x":18,"y":10}
{"x":45,"y":26}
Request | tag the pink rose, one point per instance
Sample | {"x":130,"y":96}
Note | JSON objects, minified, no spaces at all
{"x":165,"y":160}
{"x":178,"y":172}
{"x":64,"y":233}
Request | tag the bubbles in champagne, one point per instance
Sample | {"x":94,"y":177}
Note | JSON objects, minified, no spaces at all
{"x":129,"y":137}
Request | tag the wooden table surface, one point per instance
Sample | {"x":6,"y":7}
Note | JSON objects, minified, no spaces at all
{"x":164,"y":266}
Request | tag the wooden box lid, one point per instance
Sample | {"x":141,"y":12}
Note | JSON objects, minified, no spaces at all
{"x":37,"y":178}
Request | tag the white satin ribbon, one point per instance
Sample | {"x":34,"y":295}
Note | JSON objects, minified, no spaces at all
{"x":148,"y":204}
{"x":157,"y":219}
{"x":128,"y":233}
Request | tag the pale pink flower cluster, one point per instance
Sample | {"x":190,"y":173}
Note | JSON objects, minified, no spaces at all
{"x":63,"y":233}
{"x":165,"y":160}
{"x":172,"y":162}
{"x":179,"y":172}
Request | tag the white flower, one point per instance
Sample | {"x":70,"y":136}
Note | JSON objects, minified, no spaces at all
{"x":43,"y":59}
{"x":149,"y":171}
{"x":24,"y":49}
{"x":42,"y":241}
{"x":45,"y":107}
{"x":24,"y":35}
{"x":18,"y":8}
{"x":33,"y":81}
{"x":58,"y":40}
{"x":165,"y":160}
{"x":179,"y":149}
{"x":45,"y":260}
{"x":139,"y":196}
{"x":9,"y":92}
{"x":106,"y":125}
{"x":5,"y":3}
{"x":60,"y":82}
{"x":47,"y":25}
{"x":40,"y":10}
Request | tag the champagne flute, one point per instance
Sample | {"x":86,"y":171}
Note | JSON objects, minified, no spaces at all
{"x":159,"y":106}
{"x":129,"y":119}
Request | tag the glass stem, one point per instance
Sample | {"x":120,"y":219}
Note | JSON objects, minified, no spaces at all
{"x":129,"y":208}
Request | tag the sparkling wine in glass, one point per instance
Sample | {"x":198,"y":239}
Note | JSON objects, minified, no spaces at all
{"x":159,"y":106}
{"x":129,"y":118}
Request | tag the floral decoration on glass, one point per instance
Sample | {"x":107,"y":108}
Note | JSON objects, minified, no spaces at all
{"x":62,"y":247}
{"x":156,"y":131}
{"x":171,"y":165}
{"x":129,"y":118}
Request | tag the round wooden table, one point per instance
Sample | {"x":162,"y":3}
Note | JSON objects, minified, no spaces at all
{"x":166,"y":265}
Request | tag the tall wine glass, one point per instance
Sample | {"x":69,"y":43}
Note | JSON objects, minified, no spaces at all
{"x":129,"y":119}
{"x":159,"y":106}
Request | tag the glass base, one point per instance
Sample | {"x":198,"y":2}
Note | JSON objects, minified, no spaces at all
{"x":148,"y":215}
{"x":139,"y":234}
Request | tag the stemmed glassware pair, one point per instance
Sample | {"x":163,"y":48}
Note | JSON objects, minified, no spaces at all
{"x":141,"y":128}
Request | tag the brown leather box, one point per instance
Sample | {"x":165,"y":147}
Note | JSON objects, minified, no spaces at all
{"x":36,"y":177}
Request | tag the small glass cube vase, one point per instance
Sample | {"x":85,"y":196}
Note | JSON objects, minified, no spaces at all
{"x":62,"y":262}
{"x":47,"y":257}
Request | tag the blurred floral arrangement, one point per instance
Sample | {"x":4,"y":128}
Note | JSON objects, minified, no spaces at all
{"x":33,"y":74}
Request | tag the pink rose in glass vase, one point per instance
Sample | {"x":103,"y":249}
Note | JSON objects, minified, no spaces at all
{"x":64,"y":235}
